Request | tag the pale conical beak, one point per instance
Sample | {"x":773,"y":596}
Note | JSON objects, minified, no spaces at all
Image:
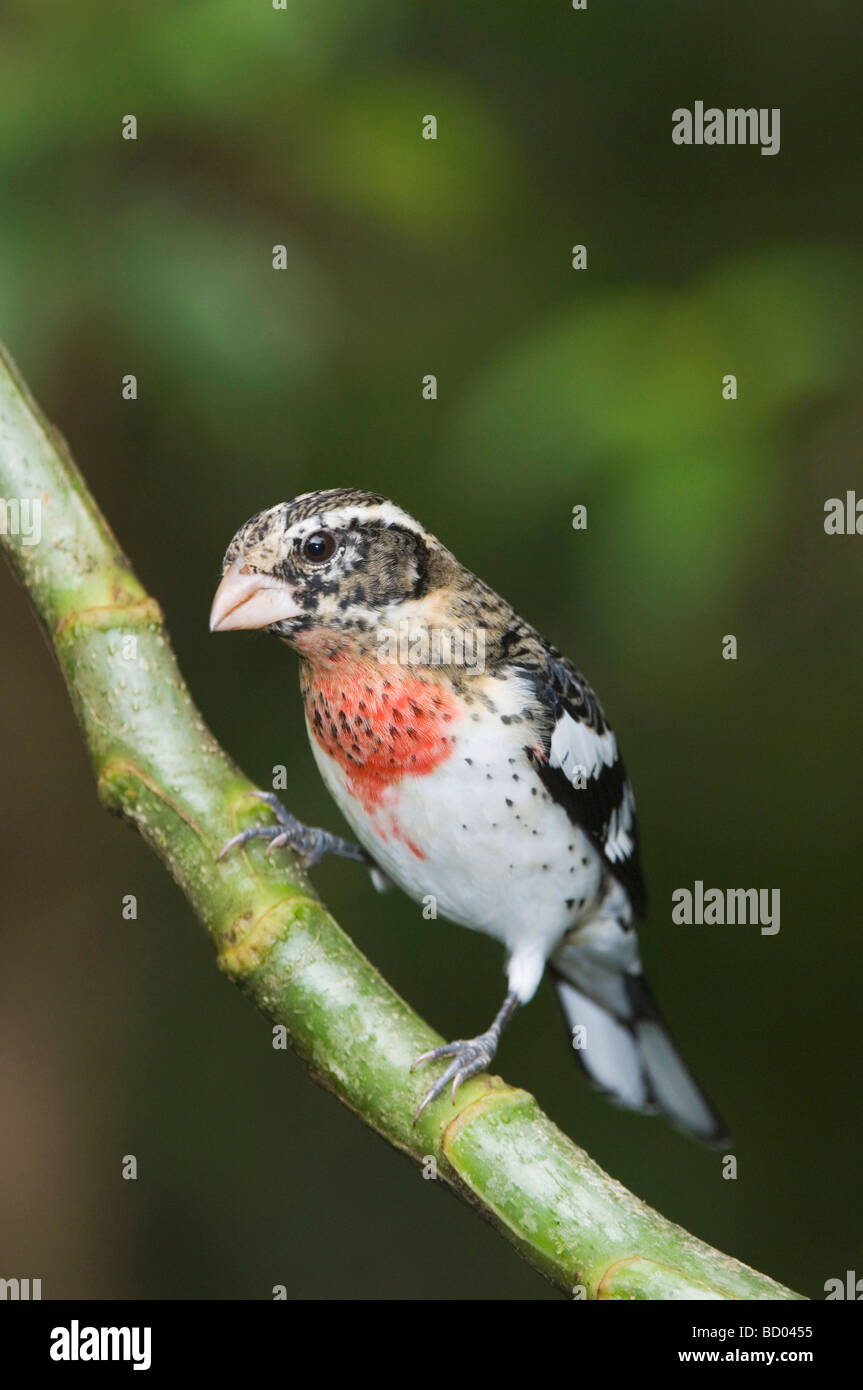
{"x":246,"y":600}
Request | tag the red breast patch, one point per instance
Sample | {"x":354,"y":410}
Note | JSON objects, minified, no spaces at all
{"x":380,"y":723}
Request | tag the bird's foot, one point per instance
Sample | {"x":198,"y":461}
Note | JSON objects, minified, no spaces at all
{"x":469,"y":1057}
{"x":308,"y":842}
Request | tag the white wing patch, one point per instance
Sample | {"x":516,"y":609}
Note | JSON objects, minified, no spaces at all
{"x":618,"y":837}
{"x":575,"y":748}
{"x":580,"y":751}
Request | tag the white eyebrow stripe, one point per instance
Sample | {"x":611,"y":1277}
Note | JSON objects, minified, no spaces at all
{"x":386,"y":512}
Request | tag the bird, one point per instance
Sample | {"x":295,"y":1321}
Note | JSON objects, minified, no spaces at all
{"x":477,"y":770}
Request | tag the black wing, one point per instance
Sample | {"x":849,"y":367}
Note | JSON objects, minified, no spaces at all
{"x":580,"y":766}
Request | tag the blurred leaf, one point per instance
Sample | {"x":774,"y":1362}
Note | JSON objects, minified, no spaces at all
{"x":628,"y":390}
{"x":366,"y":151}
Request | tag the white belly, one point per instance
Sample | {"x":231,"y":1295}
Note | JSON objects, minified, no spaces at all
{"x":482,"y":838}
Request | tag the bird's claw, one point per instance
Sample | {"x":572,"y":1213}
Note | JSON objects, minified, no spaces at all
{"x":308,"y":843}
{"x":470,"y":1056}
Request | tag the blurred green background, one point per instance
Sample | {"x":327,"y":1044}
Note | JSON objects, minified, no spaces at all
{"x":556,"y":387}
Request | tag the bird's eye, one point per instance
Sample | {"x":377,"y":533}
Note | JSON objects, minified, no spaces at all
{"x":319,"y":546}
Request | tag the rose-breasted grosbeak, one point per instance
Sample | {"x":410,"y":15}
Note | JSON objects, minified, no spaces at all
{"x":494,"y":786}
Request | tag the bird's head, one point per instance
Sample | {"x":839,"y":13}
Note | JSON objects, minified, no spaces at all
{"x":328,"y":568}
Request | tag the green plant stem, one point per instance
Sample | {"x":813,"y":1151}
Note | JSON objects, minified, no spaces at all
{"x":158,"y":766}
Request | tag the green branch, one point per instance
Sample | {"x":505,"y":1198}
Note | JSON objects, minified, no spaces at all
{"x":158,"y":766}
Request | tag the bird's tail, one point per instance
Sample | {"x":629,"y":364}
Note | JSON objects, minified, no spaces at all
{"x":627,"y":1051}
